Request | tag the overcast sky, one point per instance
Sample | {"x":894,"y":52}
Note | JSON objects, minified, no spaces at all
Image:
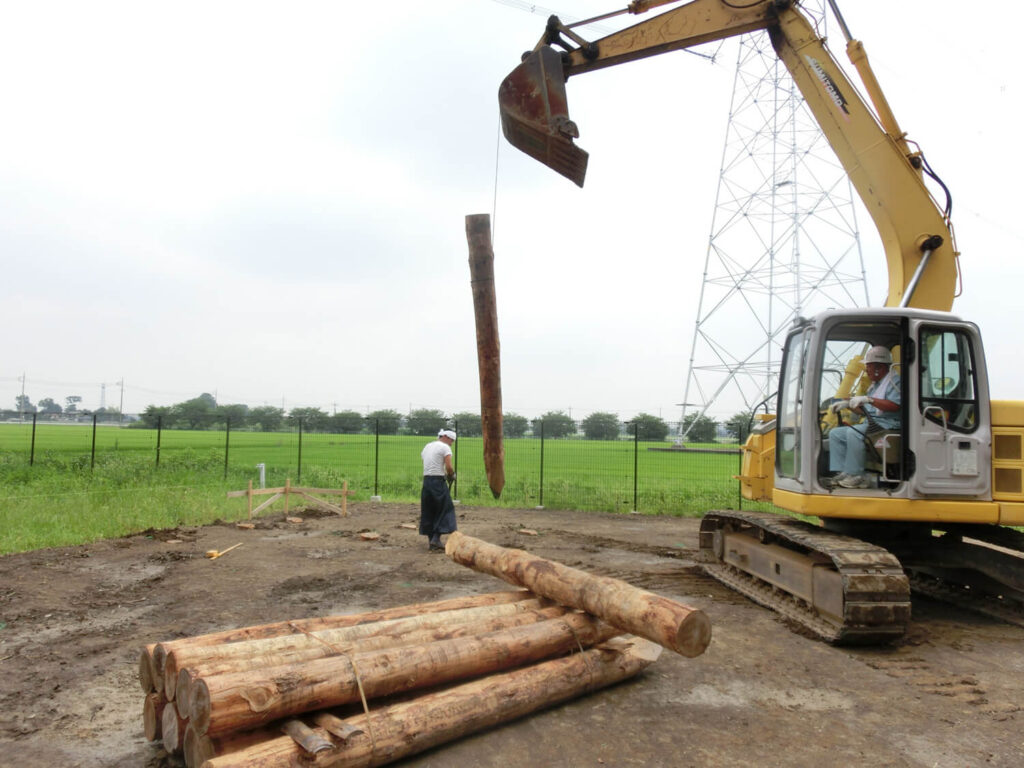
{"x":266,"y":201}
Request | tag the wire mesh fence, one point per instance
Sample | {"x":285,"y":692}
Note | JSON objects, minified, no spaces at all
{"x":629,"y":469}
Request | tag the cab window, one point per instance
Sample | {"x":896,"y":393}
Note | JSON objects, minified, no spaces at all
{"x":948,"y":379}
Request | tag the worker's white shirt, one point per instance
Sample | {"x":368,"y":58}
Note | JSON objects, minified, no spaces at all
{"x":433,"y":458}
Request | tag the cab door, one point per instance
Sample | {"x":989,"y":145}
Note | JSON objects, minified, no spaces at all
{"x":950,"y":432}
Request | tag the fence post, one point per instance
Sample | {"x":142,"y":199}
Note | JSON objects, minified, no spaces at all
{"x":455,"y":462}
{"x":636,"y":455}
{"x":540,"y":500}
{"x":298,"y":479}
{"x":159,"y":429}
{"x":32,"y":449}
{"x":376,"y":458}
{"x":227,"y":444}
{"x":92,"y":460}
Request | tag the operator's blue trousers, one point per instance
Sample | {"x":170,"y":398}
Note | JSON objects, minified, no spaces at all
{"x":437,"y":511}
{"x":846,"y":450}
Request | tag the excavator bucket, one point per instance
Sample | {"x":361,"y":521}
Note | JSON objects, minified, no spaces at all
{"x":535,"y":116}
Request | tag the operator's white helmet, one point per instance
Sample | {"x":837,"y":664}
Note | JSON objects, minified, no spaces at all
{"x":878,"y":354}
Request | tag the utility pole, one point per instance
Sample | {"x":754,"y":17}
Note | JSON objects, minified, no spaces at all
{"x":120,"y":408}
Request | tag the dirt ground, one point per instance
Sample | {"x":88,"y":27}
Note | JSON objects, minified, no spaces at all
{"x":73,"y":620}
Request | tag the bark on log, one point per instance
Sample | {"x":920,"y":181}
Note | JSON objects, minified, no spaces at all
{"x":488,"y":347}
{"x":341,"y":730}
{"x":396,"y":637}
{"x":274,"y":651}
{"x":152,"y":712}
{"x":147,"y":669}
{"x":398,"y":731}
{"x":279,"y":628}
{"x":310,"y":741}
{"x":247,"y":700}
{"x":173,"y":727}
{"x":675,"y":626}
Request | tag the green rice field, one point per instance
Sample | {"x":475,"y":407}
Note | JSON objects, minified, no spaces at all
{"x":67,"y":490}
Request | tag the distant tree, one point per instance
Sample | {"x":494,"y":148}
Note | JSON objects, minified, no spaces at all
{"x":237,"y":414}
{"x":71,"y":403}
{"x":738,"y":425}
{"x":46,"y":405}
{"x":468,"y":424}
{"x":514,"y":425}
{"x":702,"y":431}
{"x":650,"y":428}
{"x":313,"y":419}
{"x":346,"y":422}
{"x":196,"y":413}
{"x":268,"y":417}
{"x":23,"y":404}
{"x":556,"y":424}
{"x":601,"y":426}
{"x":108,"y":414}
{"x":155,"y":415}
{"x":426,"y":421}
{"x":386,"y":421}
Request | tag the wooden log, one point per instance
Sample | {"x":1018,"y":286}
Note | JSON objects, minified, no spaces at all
{"x":297,"y":627}
{"x":488,"y":347}
{"x":172,"y":727}
{"x":250,"y":699}
{"x":147,"y":669}
{"x":395,"y":635}
{"x":267,"y":652}
{"x":400,"y":730}
{"x":200,"y":748}
{"x":152,"y":714}
{"x":671,"y":624}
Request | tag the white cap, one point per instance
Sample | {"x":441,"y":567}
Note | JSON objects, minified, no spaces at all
{"x":878,"y":354}
{"x":450,"y":434}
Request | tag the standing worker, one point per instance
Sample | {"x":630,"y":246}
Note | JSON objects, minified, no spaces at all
{"x":437,"y":511}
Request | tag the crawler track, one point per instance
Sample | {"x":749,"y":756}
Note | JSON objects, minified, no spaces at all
{"x":850,"y":591}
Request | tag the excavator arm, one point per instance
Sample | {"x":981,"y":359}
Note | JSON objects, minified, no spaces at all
{"x":887,"y":174}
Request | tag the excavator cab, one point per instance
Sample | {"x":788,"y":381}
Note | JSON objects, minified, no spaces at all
{"x":938,"y":444}
{"x":535,"y":114}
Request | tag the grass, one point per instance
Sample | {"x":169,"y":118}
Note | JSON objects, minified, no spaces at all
{"x":72,"y":494}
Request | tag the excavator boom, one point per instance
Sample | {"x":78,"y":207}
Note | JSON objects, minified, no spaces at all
{"x":915,"y":232}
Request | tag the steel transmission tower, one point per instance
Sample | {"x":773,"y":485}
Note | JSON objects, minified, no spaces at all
{"x":784,"y":240}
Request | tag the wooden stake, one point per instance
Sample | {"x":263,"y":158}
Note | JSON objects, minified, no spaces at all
{"x":405,"y":729}
{"x":234,"y":702}
{"x":673,"y":625}
{"x":488,"y":347}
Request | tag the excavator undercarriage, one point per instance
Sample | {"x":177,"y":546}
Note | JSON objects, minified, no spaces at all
{"x":841,"y":584}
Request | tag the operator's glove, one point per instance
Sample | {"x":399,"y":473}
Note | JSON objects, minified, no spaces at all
{"x":838,"y":406}
{"x":859,"y":401}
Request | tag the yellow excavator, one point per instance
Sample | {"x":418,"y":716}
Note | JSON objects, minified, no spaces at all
{"x":934,"y":507}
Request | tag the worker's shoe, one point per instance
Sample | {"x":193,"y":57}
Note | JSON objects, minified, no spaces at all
{"x":855,"y":481}
{"x":435,"y":544}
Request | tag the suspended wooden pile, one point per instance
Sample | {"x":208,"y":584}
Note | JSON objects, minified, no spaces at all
{"x":371,"y":688}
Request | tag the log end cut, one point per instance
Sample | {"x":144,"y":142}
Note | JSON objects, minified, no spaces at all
{"x":693,"y":635}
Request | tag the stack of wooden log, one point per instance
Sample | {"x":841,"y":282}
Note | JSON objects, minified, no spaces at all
{"x":370,"y":688}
